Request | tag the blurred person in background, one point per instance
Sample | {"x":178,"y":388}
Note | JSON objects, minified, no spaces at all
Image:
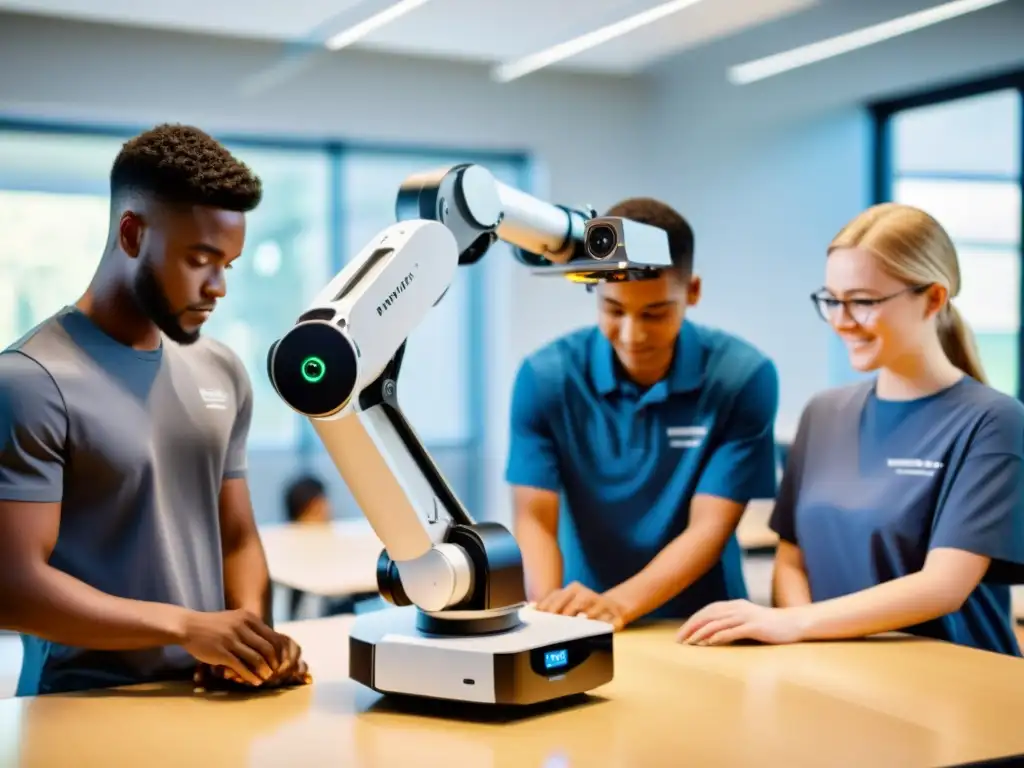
{"x":902,"y":504}
{"x":635,"y":447}
{"x":305,"y":501}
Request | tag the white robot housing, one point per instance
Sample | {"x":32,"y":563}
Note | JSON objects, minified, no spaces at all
{"x":460,"y":628}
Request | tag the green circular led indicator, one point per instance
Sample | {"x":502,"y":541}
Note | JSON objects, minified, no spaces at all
{"x":313,"y":369}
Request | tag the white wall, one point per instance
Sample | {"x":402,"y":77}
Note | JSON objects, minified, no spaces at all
{"x":581,"y":129}
{"x":763,"y":204}
{"x":769,"y":172}
{"x":766,"y":173}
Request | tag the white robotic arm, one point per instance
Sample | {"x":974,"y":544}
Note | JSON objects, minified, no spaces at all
{"x":339,"y":366}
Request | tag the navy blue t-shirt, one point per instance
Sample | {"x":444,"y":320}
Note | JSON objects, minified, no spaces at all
{"x":627,"y":462}
{"x":873,"y":485}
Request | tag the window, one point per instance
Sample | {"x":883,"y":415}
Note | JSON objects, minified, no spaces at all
{"x":958,"y":157}
{"x":440,"y":387}
{"x":54,"y":214}
{"x":434,"y":381}
{"x":322,"y":204}
{"x":284,"y":264}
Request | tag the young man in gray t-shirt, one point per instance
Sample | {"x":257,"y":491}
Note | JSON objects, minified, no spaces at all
{"x":128,"y":547}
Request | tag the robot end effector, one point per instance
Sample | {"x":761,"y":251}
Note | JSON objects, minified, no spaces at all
{"x":553,"y":240}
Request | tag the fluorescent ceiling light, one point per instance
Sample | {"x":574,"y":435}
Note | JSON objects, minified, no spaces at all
{"x":362,"y":29}
{"x":514,"y":69}
{"x":752,"y":71}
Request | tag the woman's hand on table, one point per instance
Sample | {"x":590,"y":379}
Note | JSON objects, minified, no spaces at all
{"x":730,"y":621}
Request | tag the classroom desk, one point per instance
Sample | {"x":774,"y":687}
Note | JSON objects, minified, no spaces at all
{"x":339,"y":559}
{"x":883,"y":702}
{"x":753,"y":532}
{"x":336,"y":559}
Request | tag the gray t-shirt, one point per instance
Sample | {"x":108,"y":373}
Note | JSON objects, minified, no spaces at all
{"x":134,"y":445}
{"x":871,"y":486}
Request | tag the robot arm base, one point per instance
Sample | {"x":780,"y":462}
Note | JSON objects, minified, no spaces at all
{"x":498,"y":584}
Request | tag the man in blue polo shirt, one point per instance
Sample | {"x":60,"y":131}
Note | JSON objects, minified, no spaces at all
{"x":635,"y":447}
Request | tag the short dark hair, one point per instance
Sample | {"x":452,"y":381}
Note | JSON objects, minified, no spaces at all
{"x":647,"y":210}
{"x":300,"y":493}
{"x":180,"y":164}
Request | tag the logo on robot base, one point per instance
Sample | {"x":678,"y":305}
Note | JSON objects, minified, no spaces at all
{"x":386,"y":304}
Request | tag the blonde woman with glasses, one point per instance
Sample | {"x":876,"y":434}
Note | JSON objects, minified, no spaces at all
{"x":902,"y":503}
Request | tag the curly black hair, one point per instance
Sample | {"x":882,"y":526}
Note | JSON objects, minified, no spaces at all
{"x":647,"y":210}
{"x":180,"y":164}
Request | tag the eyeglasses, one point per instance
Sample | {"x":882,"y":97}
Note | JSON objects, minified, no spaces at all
{"x":860,"y":310}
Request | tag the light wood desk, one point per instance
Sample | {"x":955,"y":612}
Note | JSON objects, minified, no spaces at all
{"x":753,"y":532}
{"x":340,"y":558}
{"x":884,"y":702}
{"x":335,"y":559}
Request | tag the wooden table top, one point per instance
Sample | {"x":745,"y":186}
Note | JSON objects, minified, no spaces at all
{"x":882,"y":702}
{"x":338,"y":559}
{"x":334,"y":559}
{"x":753,"y":531}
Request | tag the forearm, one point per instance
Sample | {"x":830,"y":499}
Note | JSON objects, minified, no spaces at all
{"x":790,"y":587}
{"x":542,"y":559}
{"x":54,"y":606}
{"x":890,"y":606}
{"x":247,"y":578}
{"x":687,"y":557}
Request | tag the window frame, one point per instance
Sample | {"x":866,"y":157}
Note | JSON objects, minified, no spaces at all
{"x":336,"y":151}
{"x":882,"y":176}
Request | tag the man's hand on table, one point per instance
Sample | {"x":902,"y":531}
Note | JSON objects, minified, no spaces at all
{"x":209,"y":678}
{"x":237,"y":647}
{"x":578,"y":600}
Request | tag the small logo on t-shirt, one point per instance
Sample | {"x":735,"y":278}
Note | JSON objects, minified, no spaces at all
{"x":920,"y":467}
{"x":686,"y":437}
{"x":215,"y":399}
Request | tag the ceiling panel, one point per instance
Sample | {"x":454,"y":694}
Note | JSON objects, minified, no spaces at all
{"x":496,"y":30}
{"x":696,"y":25}
{"x":291,"y":20}
{"x":479,"y":30}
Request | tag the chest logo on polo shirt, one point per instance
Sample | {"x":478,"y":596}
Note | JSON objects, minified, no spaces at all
{"x":686,"y":437}
{"x":215,"y":399}
{"x":919,"y":467}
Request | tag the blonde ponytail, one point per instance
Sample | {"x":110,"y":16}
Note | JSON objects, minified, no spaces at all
{"x":958,"y":343}
{"x":914,"y":248}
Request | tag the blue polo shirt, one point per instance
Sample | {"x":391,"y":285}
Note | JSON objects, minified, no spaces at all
{"x":627,"y":461}
{"x":872,"y":486}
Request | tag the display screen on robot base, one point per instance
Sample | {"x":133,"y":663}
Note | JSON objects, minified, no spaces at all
{"x":556,"y":659}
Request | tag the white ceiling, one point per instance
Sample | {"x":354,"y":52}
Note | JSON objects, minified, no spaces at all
{"x":489,"y":31}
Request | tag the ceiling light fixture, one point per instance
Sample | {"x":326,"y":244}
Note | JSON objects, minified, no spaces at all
{"x":362,"y":29}
{"x":512,"y":70}
{"x":752,"y":71}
